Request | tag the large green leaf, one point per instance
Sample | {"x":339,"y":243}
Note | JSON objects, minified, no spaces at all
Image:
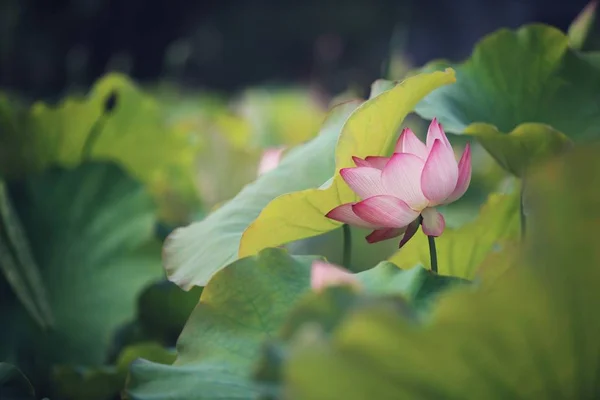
{"x":534,"y":334}
{"x":410,"y":290}
{"x":290,"y":202}
{"x":18,"y":266}
{"x":13,"y":384}
{"x":407,"y":292}
{"x":241,"y":306}
{"x":195,"y":253}
{"x":105,"y":382}
{"x":369,"y":131}
{"x":164,"y":308}
{"x":247,"y":304}
{"x":461,"y":251}
{"x":528,"y":76}
{"x":91,"y":231}
{"x":581,"y":28}
{"x":527,"y":145}
{"x":133,"y":133}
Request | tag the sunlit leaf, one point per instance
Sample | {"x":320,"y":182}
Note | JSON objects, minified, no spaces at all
{"x":163,"y":309}
{"x":581,"y":26}
{"x":520,"y":77}
{"x":281,"y":116}
{"x":224,"y":168}
{"x":370,"y":130}
{"x":460,"y":251}
{"x":406,"y":292}
{"x":292,"y":200}
{"x":248,"y":303}
{"x":525,"y":146}
{"x":534,"y":333}
{"x":132,"y":133}
{"x":194,"y":253}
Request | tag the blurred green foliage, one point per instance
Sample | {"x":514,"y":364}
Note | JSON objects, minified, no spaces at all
{"x":290,"y":202}
{"x":528,"y":83}
{"x":246,"y":304}
{"x":90,"y":187}
{"x":533,"y":333}
{"x":13,"y":384}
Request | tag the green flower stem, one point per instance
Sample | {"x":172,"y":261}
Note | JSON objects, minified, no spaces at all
{"x":92,"y":137}
{"x":108,"y":107}
{"x":432,"y":250}
{"x":347,"y":257}
{"x":522,"y":211}
{"x":433,"y":254}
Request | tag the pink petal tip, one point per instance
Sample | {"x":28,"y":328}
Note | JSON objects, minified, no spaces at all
{"x":324,"y":274}
{"x":270,"y":160}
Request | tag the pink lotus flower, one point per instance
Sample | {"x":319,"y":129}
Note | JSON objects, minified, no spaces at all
{"x":324,"y":274}
{"x":400,"y":192}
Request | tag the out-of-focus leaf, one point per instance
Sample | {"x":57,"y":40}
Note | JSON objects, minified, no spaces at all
{"x":315,"y":318}
{"x":525,"y":146}
{"x":363,"y":255}
{"x":304,"y":183}
{"x":520,"y":77}
{"x":196,"y":252}
{"x":248,"y":303}
{"x":242,"y":305}
{"x":90,"y":230}
{"x":370,"y":130}
{"x":18,"y":266}
{"x":105,"y":382}
{"x":282,"y":116}
{"x":497,"y":263}
{"x":13,"y":384}
{"x":223,"y":168}
{"x":163,"y":309}
{"x":460,"y":251}
{"x":417,"y":285}
{"x":133,"y":133}
{"x":582,"y":26}
{"x":535,"y":333}
{"x":410,"y":290}
{"x":380,"y":86}
{"x":406,"y":292}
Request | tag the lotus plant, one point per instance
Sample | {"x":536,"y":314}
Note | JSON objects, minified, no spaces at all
{"x":400,"y":192}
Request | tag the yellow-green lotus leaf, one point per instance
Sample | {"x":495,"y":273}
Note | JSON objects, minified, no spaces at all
{"x":370,"y":130}
{"x":461,"y":251}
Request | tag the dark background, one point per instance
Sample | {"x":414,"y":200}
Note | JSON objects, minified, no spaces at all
{"x":50,"y":46}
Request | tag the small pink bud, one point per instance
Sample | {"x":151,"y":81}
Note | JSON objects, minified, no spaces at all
{"x":270,"y":159}
{"x":325,"y":274}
